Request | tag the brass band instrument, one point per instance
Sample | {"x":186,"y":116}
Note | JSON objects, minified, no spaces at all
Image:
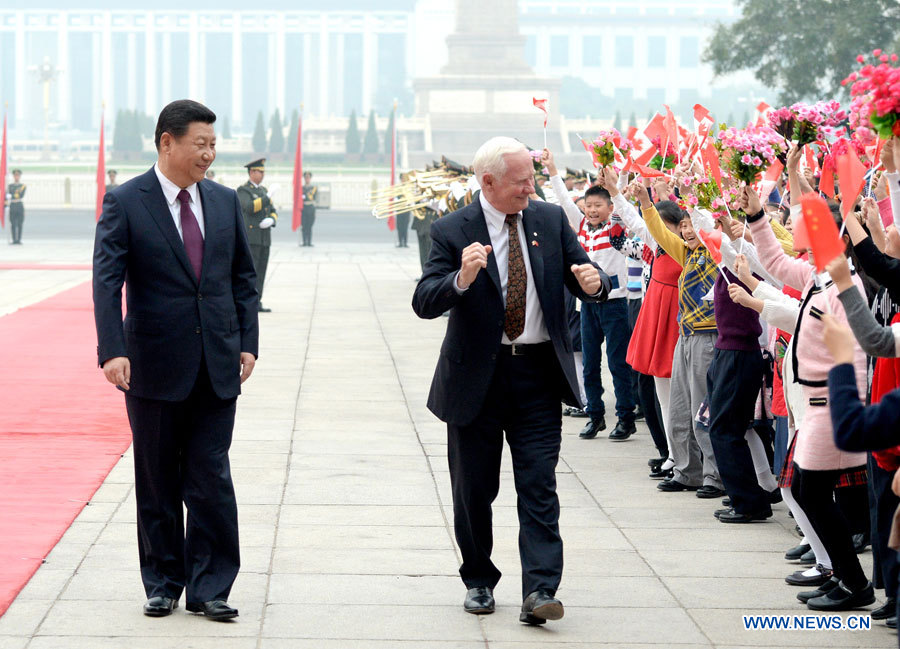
{"x":436,"y":185}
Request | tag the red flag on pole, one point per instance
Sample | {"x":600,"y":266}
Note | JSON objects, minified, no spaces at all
{"x":826,"y":179}
{"x":656,"y":128}
{"x":701,"y":113}
{"x":3,"y":174}
{"x":542,"y":104}
{"x":671,"y":126}
{"x":392,"y":222}
{"x":710,"y":158}
{"x":712,"y":241}
{"x":852,"y":179}
{"x":101,"y":173}
{"x":824,"y":240}
{"x":297,"y":214}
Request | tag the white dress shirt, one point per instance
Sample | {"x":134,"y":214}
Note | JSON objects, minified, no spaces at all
{"x":170,"y":192}
{"x":535,"y":328}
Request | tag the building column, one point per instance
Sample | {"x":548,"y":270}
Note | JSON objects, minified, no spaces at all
{"x":280,"y":71}
{"x":237,"y":76}
{"x":196,"y":68}
{"x":150,"y":67}
{"x":308,"y":86}
{"x":165,"y":60}
{"x":64,"y":83}
{"x":131,"y":70}
{"x":324,"y":55}
{"x":106,"y":64}
{"x":20,"y":105}
{"x":337,"y":95}
{"x":370,"y":64}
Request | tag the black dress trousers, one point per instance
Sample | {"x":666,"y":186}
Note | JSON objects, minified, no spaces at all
{"x":524,"y":402}
{"x":181,"y":456}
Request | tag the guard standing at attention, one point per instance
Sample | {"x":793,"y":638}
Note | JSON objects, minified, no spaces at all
{"x":308,"y":216}
{"x":259,"y":218}
{"x":15,"y":192}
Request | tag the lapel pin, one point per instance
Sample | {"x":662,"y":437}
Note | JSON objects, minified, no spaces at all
{"x":534,"y":243}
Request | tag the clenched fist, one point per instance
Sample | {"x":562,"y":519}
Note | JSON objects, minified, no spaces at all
{"x":588,"y":278}
{"x":474,"y":258}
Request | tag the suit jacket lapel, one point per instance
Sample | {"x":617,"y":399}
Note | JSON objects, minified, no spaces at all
{"x":475,"y":228}
{"x":534,"y":236}
{"x":155,"y":202}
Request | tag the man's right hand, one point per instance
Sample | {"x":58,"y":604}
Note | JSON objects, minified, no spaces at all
{"x":474,"y":258}
{"x":118,"y":371}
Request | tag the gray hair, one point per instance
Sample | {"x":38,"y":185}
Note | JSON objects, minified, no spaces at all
{"x":490,"y":157}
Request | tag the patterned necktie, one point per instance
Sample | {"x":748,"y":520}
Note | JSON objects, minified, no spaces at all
{"x":517,"y":282}
{"x":190,"y":231}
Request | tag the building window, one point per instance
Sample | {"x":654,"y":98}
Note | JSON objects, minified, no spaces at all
{"x":656,"y":51}
{"x":625,"y":51}
{"x":590,"y":51}
{"x":690,"y":51}
{"x":559,"y":51}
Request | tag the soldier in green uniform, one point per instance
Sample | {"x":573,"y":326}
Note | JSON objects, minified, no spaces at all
{"x":308,"y":216}
{"x":112,"y":184}
{"x":259,"y":218}
{"x":15,"y":192}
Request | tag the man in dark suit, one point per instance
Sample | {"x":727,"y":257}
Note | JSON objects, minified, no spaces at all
{"x":505,"y":364}
{"x":188,"y":341}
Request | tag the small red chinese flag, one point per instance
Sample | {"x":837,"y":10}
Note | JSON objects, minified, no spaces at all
{"x":710,"y":158}
{"x":852,"y":178}
{"x":656,"y":129}
{"x":826,"y":179}
{"x":542,"y":104}
{"x":712,"y":241}
{"x":297,"y":213}
{"x":824,"y":240}
{"x":701,"y":113}
{"x":801,"y":237}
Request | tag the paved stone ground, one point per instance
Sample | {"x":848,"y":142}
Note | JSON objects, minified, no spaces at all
{"x":344,"y":501}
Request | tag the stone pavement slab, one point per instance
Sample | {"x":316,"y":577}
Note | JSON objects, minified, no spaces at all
{"x":343,"y":490}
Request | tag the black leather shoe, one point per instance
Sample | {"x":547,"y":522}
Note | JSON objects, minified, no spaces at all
{"x":708,"y":491}
{"x":736,"y":517}
{"x":843,"y":599}
{"x":658,"y":474}
{"x":593,"y":427}
{"x":673,"y":485}
{"x":479,"y":601}
{"x":799,"y":579}
{"x":891,"y":622}
{"x":806,"y":595}
{"x":263,"y":309}
{"x":887,"y":611}
{"x":622,"y":431}
{"x":719,"y":512}
{"x":808,"y":558}
{"x":797,"y":551}
{"x":655,"y":462}
{"x":217,"y":609}
{"x":726,"y":502}
{"x":775,"y":496}
{"x":160,"y":606}
{"x":539,"y":607}
{"x":860,"y":543}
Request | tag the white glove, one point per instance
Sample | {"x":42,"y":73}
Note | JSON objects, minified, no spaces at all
{"x":266,"y":223}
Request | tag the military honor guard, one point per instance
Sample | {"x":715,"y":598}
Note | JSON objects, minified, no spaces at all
{"x":112,"y":184}
{"x":309,"y":208}
{"x":15,"y":192}
{"x":259,"y":218}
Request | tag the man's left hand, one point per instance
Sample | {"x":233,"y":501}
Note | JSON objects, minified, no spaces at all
{"x":248,"y":360}
{"x":588,"y":278}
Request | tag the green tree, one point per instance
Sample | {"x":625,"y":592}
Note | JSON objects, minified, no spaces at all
{"x":276,"y":133}
{"x":292,"y":131}
{"x":370,"y":143}
{"x":387,"y":134}
{"x":226,"y":128}
{"x":259,"y":134}
{"x":118,"y":143}
{"x":352,"y":139}
{"x":617,"y":121}
{"x":802,"y":50}
{"x":135,"y":143}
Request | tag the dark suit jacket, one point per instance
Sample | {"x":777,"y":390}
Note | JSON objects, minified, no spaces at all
{"x":172,"y":319}
{"x":469,"y":352}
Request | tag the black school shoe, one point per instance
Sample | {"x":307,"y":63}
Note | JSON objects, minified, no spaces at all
{"x":797,"y":578}
{"x":673,"y":485}
{"x":828,"y":586}
{"x":796,"y":552}
{"x":842,"y":598}
{"x":889,"y":610}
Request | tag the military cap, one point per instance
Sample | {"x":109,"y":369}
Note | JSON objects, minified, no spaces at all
{"x":256,"y":165}
{"x":16,"y":171}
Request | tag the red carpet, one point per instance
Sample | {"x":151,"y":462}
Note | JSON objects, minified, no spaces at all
{"x":62,"y":428}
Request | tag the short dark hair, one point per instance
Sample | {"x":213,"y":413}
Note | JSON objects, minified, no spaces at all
{"x":670,"y":211}
{"x":597,"y":190}
{"x":177,"y":117}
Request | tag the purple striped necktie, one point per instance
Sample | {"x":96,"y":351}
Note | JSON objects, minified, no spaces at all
{"x":190,"y":230}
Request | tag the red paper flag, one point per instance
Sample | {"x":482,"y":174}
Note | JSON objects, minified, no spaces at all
{"x":826,"y":178}
{"x":852,"y":179}
{"x":811,"y":159}
{"x":713,"y":243}
{"x":646,"y":172}
{"x":701,"y":113}
{"x":656,"y":129}
{"x":671,"y":125}
{"x":874,"y":152}
{"x":646,"y":156}
{"x":798,"y":231}
{"x":297,"y":213}
{"x":392,"y":222}
{"x":3,"y":174}
{"x":632,"y":131}
{"x":710,"y":158}
{"x":762,"y":107}
{"x":101,"y":174}
{"x":542,"y":104}
{"x":824,"y":240}
{"x":773,"y":173}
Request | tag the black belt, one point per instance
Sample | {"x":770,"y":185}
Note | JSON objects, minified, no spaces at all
{"x":518,"y":349}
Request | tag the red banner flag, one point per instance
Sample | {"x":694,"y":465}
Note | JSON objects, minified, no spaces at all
{"x":542,"y":104}
{"x":762,"y":107}
{"x":656,"y":128}
{"x":671,"y":126}
{"x":701,"y":113}
{"x":798,"y":231}
{"x":297,"y":213}
{"x":392,"y":222}
{"x":810,"y":158}
{"x":712,"y":241}
{"x":3,"y":174}
{"x":646,"y":172}
{"x":710,"y":158}
{"x":851,"y":178}
{"x":824,"y":240}
{"x":101,"y":174}
{"x":826,"y":179}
